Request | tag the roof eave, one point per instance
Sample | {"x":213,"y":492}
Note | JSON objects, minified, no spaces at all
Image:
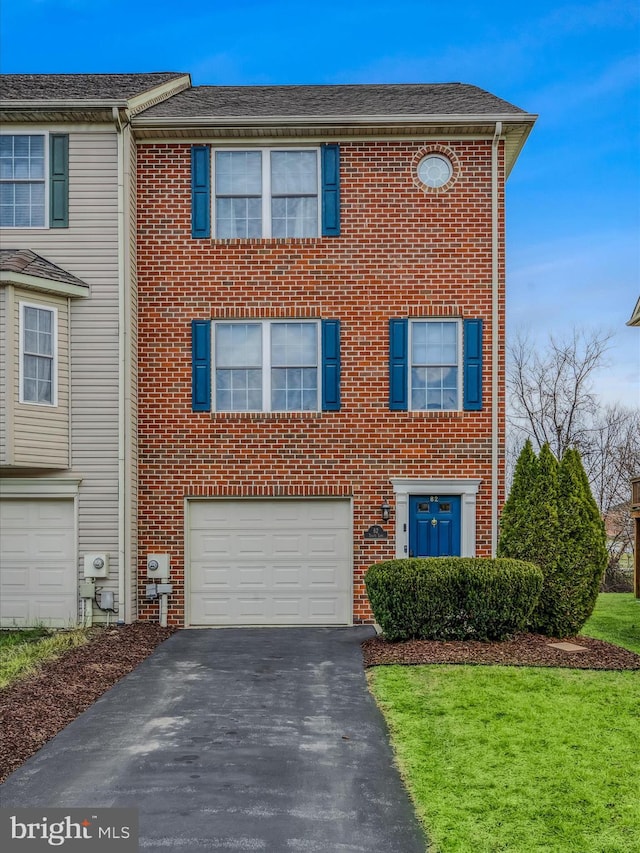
{"x":44,"y":285}
{"x":634,"y":320}
{"x":64,"y":104}
{"x":381,"y":120}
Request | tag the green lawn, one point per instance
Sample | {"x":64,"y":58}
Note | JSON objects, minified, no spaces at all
{"x":519,"y":759}
{"x":616,"y":619}
{"x":22,"y":651}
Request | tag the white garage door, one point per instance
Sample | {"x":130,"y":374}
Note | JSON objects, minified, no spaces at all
{"x":270,"y":562}
{"x":38,"y":584}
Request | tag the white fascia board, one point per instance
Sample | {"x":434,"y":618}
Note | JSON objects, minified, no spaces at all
{"x":158,"y":93}
{"x":44,"y":285}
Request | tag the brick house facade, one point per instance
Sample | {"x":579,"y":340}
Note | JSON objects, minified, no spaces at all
{"x":292,"y":386}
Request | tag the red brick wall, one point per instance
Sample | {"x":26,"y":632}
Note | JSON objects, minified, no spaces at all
{"x":402,"y":252}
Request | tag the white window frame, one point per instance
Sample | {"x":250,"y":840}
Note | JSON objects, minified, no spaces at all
{"x":266,"y":190}
{"x":266,"y":362}
{"x":54,"y":357}
{"x":46,"y":181}
{"x":459,"y":354}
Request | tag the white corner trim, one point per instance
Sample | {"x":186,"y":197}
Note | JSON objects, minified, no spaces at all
{"x":39,"y":487}
{"x":467,"y":489}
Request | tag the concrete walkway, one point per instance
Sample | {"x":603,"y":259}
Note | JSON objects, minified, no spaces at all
{"x":236,"y":739}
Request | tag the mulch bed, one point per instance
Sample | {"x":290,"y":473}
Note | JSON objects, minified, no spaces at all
{"x":36,"y":708}
{"x":522,"y":650}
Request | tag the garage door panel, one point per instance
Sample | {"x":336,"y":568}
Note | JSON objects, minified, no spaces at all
{"x":211,"y":577}
{"x":14,"y":610}
{"x":14,"y":544}
{"x":50,"y":579}
{"x":327,"y":543}
{"x":56,"y":545}
{"x":283,"y":545}
{"x":14,"y":579}
{"x":323,"y":608}
{"x":325,"y":576}
{"x":247,"y":545}
{"x":287,"y":576}
{"x":270,"y":571}
{"x":38,"y":572}
{"x":211,"y":544}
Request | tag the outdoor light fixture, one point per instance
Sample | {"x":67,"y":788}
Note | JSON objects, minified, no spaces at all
{"x":385,"y":509}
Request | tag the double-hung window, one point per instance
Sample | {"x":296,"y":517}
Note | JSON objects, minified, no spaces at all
{"x":37,"y":354}
{"x":267,"y":193}
{"x":22,"y":181}
{"x":266,"y":366}
{"x":435,"y":364}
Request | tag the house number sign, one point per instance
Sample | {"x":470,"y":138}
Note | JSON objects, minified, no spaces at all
{"x":375,"y":532}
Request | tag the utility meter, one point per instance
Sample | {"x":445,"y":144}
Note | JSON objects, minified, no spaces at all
{"x":96,"y":565}
{"x":158,"y":566}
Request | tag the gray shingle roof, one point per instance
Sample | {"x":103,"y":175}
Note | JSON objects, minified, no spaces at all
{"x":92,"y":87}
{"x":28,"y":263}
{"x":352,"y":100}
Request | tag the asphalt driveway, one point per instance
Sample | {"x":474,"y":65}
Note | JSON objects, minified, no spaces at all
{"x":236,"y":739}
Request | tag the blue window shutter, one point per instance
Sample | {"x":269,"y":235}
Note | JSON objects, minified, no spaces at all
{"x":330,"y":190}
{"x":398,"y":365}
{"x":201,"y":365}
{"x":59,"y":180}
{"x":472,"y":365}
{"x":331,"y":365}
{"x":200,"y":191}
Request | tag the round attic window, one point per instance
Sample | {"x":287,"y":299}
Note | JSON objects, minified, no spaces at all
{"x":434,"y":170}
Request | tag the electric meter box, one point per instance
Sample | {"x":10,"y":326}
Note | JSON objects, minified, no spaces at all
{"x":96,"y":565}
{"x":158,"y":566}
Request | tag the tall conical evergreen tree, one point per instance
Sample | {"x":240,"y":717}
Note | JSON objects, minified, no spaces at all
{"x":543,"y":509}
{"x":582,"y":554}
{"x":514,"y":520}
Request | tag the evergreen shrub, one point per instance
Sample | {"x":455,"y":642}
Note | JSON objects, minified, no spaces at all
{"x":551,"y":519}
{"x":452,"y":598}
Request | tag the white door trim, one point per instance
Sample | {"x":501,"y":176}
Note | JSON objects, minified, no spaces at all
{"x":467,"y":489}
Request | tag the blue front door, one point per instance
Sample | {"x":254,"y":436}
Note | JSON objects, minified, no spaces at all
{"x":434,"y":526}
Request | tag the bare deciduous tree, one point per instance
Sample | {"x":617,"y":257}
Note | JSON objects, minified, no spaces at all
{"x":551,"y":395}
{"x":551,"y":399}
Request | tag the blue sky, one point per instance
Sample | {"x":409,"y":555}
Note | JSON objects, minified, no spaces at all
{"x":573,"y":198}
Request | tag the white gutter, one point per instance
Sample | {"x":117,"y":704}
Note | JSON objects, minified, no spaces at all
{"x":397,"y":118}
{"x":122,"y":378}
{"x":495,"y":332}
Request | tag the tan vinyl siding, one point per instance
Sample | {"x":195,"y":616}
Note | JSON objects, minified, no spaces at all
{"x":88,"y":248}
{"x":41,"y":432}
{"x":4,"y":409}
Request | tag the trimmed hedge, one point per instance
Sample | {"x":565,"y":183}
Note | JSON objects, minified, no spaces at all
{"x":452,"y":598}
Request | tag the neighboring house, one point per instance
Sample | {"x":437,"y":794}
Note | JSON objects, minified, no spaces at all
{"x":68,"y":343}
{"x":321,"y":351}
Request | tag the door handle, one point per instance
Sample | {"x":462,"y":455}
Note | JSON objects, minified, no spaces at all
{"x":434,"y":521}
